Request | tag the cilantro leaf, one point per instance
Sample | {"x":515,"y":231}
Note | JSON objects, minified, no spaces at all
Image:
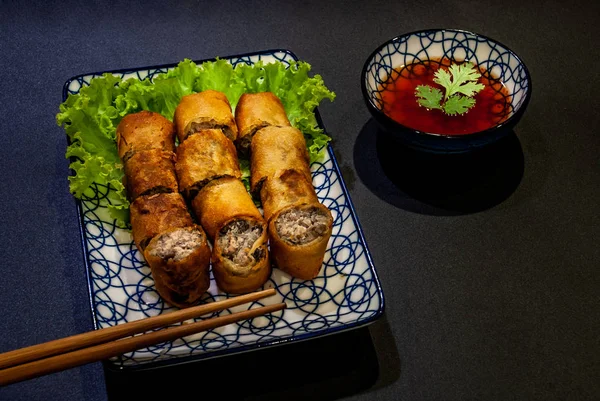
{"x":457,"y":104}
{"x":460,"y":79}
{"x":470,"y":89}
{"x":443,"y":78}
{"x":429,"y":97}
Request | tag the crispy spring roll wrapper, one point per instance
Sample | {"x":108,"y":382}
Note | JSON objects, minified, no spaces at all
{"x":300,"y":259}
{"x":255,"y":111}
{"x":274,"y":149}
{"x":204,"y":156}
{"x":249,"y":274}
{"x":299,"y":226}
{"x":286,"y":188}
{"x":183,"y":297}
{"x":143,"y":131}
{"x":154,"y":214}
{"x":224,"y":207}
{"x":179,"y":261}
{"x":207,"y":109}
{"x":220,"y":201}
{"x":150,"y":171}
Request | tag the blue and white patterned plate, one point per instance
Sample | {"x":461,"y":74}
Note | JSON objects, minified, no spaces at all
{"x":346,"y":294}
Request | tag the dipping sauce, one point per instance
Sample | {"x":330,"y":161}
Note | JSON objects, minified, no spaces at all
{"x":492,"y":103}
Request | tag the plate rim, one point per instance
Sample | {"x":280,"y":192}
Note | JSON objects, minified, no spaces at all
{"x":253,"y":346}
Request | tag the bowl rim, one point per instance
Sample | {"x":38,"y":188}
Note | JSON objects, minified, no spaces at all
{"x":472,"y":135}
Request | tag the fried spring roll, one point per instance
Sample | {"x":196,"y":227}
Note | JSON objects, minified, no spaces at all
{"x":229,"y":217}
{"x":154,"y":214}
{"x":255,"y":111}
{"x":179,"y":261}
{"x":299,"y":235}
{"x":286,"y":188}
{"x":144,"y":131}
{"x":219,"y":201}
{"x":203,"y":157}
{"x":149,"y":172}
{"x":274,"y":149}
{"x":207,"y":109}
{"x":240,"y":256}
{"x":299,"y":226}
{"x":175,"y":249}
{"x":183,"y":297}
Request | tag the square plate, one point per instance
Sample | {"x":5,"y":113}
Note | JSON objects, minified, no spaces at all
{"x":346,"y":294}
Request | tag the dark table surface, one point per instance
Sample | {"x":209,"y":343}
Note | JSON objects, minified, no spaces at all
{"x":491,"y":281}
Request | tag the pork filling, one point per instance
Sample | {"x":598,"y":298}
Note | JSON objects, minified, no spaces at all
{"x":197,"y":187}
{"x":244,"y":144}
{"x":245,"y":141}
{"x":301,"y":226}
{"x":237,"y":241}
{"x":202,"y":125}
{"x":161,"y":189}
{"x":177,"y":244}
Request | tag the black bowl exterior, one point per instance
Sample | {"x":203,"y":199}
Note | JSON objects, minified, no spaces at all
{"x":442,"y":143}
{"x":438,"y":142}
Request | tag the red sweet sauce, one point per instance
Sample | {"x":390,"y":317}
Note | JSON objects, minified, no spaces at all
{"x":492,"y":104}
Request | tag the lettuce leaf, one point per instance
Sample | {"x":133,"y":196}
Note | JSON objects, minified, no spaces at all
{"x":220,"y":75}
{"x":90,"y":120}
{"x":162,"y":94}
{"x":90,"y":117}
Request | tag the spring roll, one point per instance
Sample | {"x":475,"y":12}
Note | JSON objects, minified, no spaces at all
{"x":154,"y":214}
{"x":149,"y":172}
{"x":299,"y":226}
{"x":207,"y":109}
{"x":229,"y":217}
{"x":255,"y":111}
{"x":203,"y":157}
{"x":240,"y":256}
{"x":179,"y":261}
{"x":219,"y":201}
{"x":183,"y":297}
{"x":286,"y":188}
{"x":144,"y":131}
{"x":298,"y":237}
{"x":274,"y":149}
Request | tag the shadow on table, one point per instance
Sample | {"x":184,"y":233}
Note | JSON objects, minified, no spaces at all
{"x":326,"y":368}
{"x":437,"y":184}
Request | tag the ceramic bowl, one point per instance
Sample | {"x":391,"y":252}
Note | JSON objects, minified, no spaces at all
{"x":456,"y":46}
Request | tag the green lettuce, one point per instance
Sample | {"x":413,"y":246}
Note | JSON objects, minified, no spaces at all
{"x":162,"y":94}
{"x":220,"y":75}
{"x":90,"y":120}
{"x":91,"y":116}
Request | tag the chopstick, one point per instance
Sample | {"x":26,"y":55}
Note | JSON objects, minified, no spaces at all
{"x":77,"y":341}
{"x":38,"y":367}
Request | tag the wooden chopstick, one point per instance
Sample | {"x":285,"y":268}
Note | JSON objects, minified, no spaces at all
{"x":71,"y":343}
{"x":77,"y":341}
{"x":107,"y":350}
